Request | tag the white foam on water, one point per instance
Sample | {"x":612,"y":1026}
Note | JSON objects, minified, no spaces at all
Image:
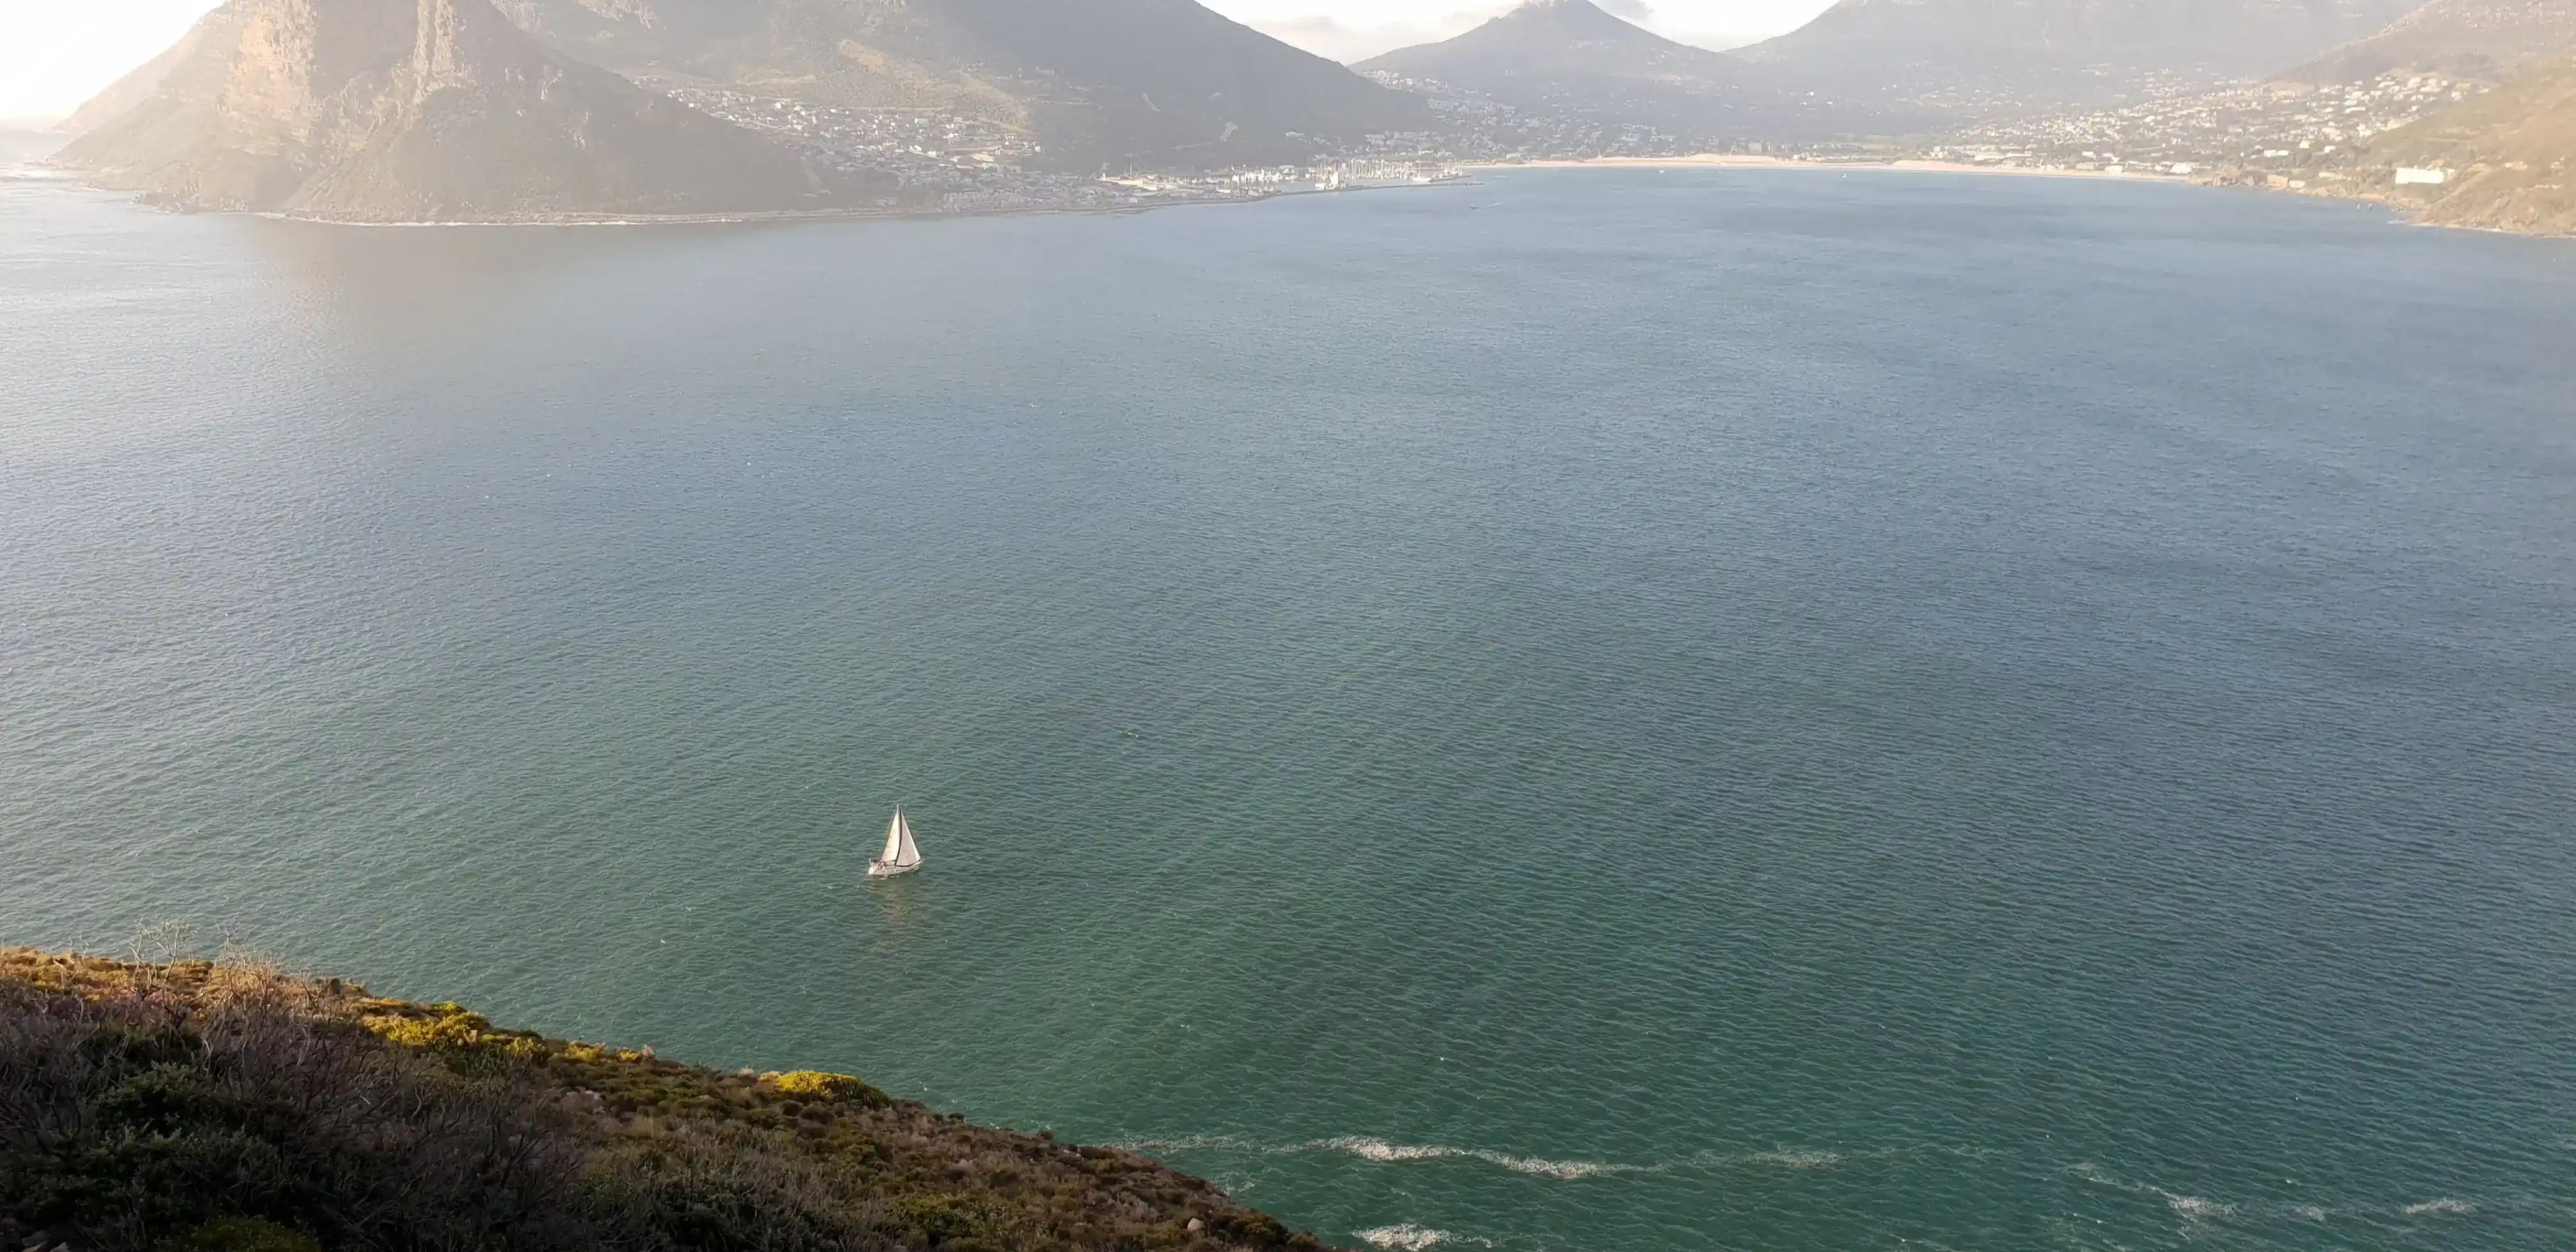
{"x":1381,"y":1150}
{"x":2308,"y":1213}
{"x":2440,"y":1208}
{"x":1372,"y":1149}
{"x":1411,"y":1238}
{"x":1554,"y":1169}
{"x":1797,"y":1158}
{"x":1186,"y":1143}
{"x":2092,"y":1173}
{"x":1387,"y":1152}
{"x":2191,"y":1208}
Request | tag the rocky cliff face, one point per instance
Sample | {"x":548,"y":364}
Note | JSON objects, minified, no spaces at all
{"x":423,"y":110}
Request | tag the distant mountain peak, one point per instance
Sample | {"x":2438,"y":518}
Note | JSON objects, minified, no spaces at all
{"x":1575,"y":56}
{"x":1541,"y":35}
{"x":1577,"y":15}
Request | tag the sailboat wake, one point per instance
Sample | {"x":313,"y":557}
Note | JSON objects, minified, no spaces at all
{"x":1371,"y":1148}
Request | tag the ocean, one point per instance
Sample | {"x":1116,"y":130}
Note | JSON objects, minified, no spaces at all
{"x":1591,"y":710}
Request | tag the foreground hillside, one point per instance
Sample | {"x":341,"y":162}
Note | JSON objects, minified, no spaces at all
{"x":198,"y":1106}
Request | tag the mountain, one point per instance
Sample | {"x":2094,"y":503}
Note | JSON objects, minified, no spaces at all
{"x":1571,"y":56}
{"x":1549,"y":45}
{"x":1991,"y":54}
{"x":198,"y":1106}
{"x":421,"y":110}
{"x":2508,"y":157}
{"x":143,"y":83}
{"x":2487,"y":40}
{"x":1150,"y":82}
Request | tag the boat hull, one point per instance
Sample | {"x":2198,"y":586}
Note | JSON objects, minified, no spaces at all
{"x":880,"y":869}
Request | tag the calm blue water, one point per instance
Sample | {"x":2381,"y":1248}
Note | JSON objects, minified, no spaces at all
{"x":1594,"y":711}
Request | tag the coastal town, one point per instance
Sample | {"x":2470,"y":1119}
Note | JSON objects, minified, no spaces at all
{"x":2282,"y":135}
{"x":1477,"y":128}
{"x":949,"y":162}
{"x":954,"y":162}
{"x":2285,"y":131}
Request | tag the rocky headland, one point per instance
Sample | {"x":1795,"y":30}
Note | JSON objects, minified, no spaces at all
{"x":199,"y":1107}
{"x":422,"y":111}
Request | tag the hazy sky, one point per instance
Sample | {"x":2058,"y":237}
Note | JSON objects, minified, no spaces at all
{"x":1353,"y":29}
{"x":56,"y":53}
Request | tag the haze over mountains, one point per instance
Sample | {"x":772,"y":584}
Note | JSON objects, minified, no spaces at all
{"x":1889,"y":66}
{"x":1164,"y":83}
{"x":413,"y":109}
{"x":453,"y":109}
{"x":419,"y":110}
{"x":2060,"y":50}
{"x":1572,"y":55}
{"x":2490,"y":40}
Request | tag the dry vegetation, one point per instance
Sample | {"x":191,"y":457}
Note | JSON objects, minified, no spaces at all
{"x":195,"y":1107}
{"x":2510,"y":155}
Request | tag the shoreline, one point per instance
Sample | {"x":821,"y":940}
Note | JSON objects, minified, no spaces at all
{"x":42,"y":170}
{"x":1721,"y":160}
{"x":66,"y":175}
{"x":2398,"y":211}
{"x":790,"y":216}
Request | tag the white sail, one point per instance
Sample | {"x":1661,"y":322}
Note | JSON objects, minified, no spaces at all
{"x":899,"y":857}
{"x":903,"y":854}
{"x":898,"y":838}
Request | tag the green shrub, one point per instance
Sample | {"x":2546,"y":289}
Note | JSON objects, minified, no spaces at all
{"x":817,"y":1085}
{"x":226,"y":1110}
{"x":242,"y":1234}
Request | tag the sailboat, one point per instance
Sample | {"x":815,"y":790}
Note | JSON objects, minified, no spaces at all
{"x":899,"y":857}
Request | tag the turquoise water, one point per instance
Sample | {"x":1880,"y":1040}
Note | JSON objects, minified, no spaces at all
{"x":1591,"y":711}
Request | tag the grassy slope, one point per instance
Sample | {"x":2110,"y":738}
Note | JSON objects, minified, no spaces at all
{"x":2512,"y":153}
{"x":199,"y":1106}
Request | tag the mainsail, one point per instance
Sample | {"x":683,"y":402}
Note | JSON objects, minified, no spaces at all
{"x":899,"y":852}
